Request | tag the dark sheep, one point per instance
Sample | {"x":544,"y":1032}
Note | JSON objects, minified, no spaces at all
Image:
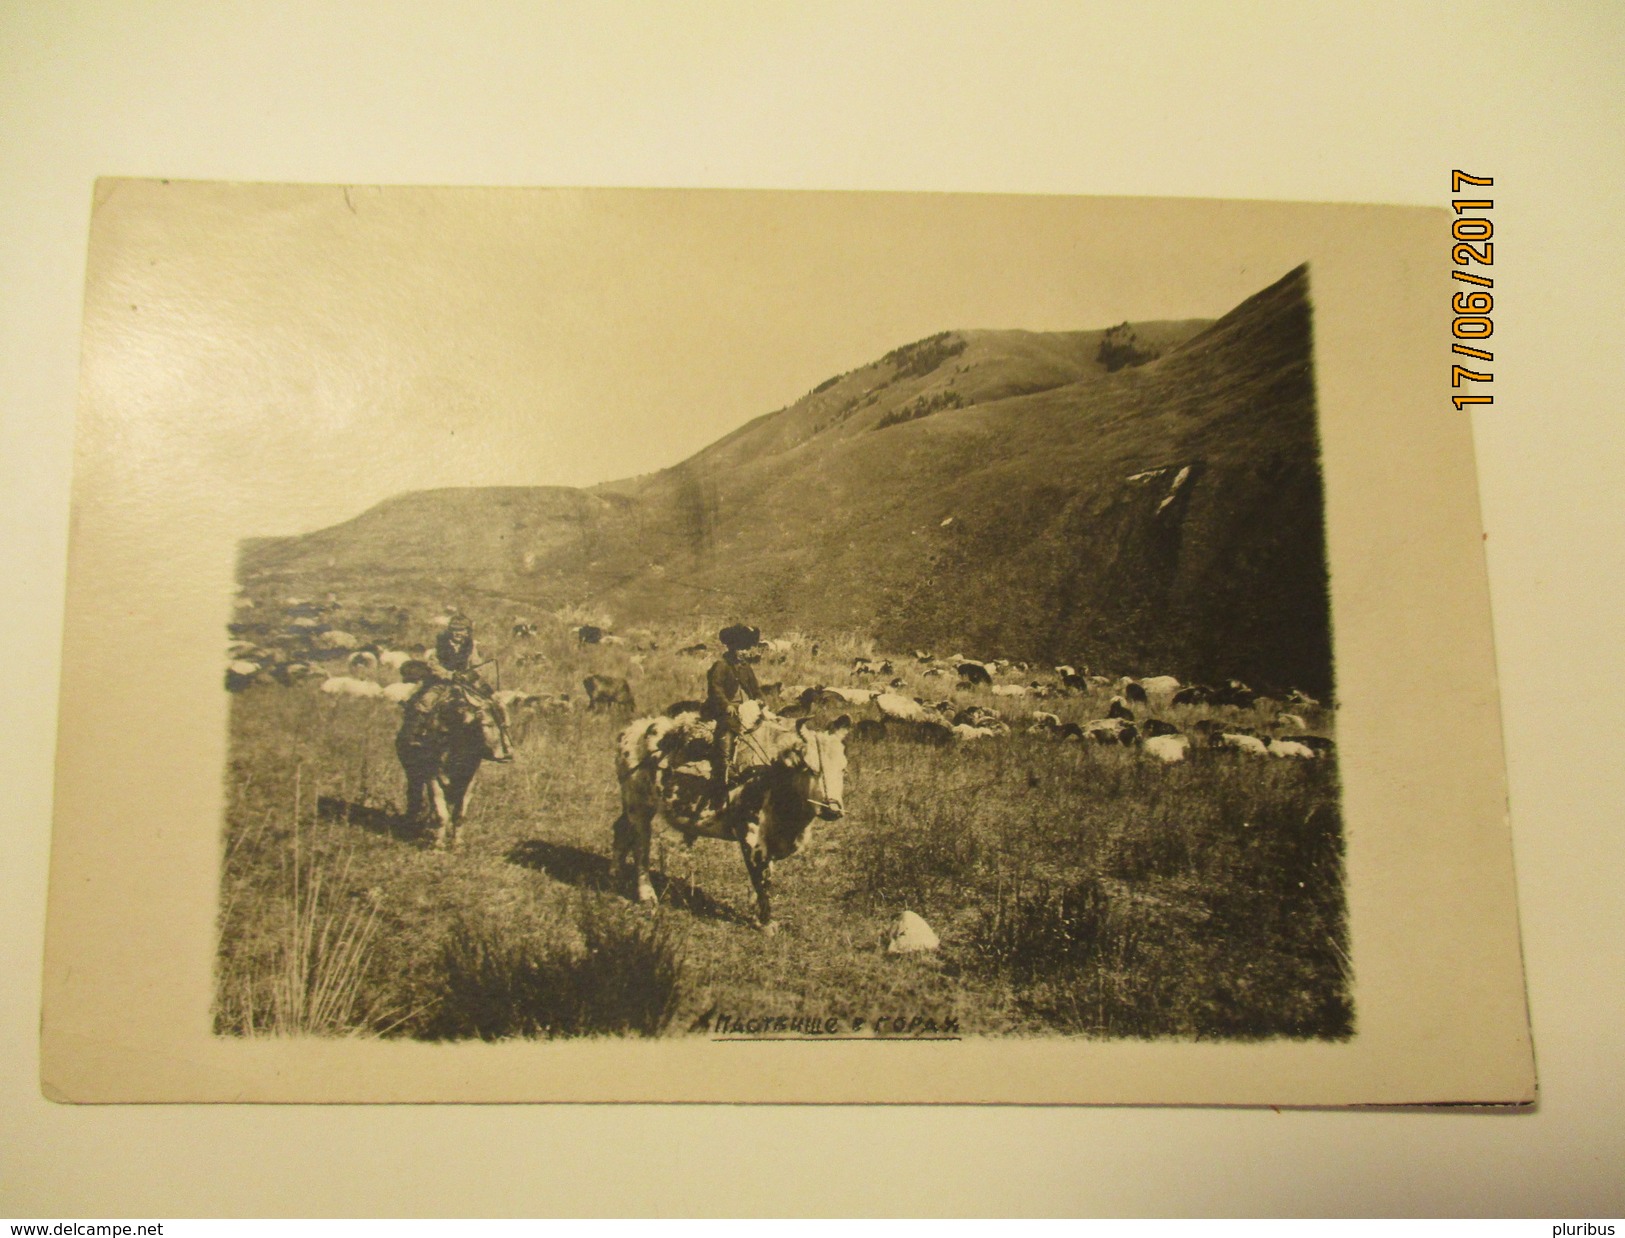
{"x":608,"y":692}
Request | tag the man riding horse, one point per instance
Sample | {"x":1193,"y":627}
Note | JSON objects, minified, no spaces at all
{"x":455,"y":668}
{"x":451,"y":725}
{"x":730,"y":682}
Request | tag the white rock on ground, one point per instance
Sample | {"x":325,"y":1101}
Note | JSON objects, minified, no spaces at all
{"x":911,"y":934}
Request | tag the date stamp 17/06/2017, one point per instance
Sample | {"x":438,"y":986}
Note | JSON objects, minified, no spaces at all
{"x":1471,"y":246}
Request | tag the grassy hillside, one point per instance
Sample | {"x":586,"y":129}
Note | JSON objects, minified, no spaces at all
{"x":990,"y":492}
{"x":1078,"y":889}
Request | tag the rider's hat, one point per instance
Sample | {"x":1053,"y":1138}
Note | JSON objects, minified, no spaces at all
{"x":459,"y":622}
{"x":738,"y":637}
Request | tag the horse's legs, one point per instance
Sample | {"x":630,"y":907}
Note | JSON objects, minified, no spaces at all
{"x":459,"y":786}
{"x":439,"y":814}
{"x":760,"y":869}
{"x":620,"y":854}
{"x":642,"y":837}
{"x":414,"y":798}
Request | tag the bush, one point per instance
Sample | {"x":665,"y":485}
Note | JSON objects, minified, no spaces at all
{"x":625,"y":977}
{"x":312,"y":977}
{"x":921,"y":406}
{"x":1120,"y":348}
{"x":918,"y":359}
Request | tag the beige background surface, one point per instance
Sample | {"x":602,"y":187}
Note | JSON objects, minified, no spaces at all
{"x":1177,"y":101}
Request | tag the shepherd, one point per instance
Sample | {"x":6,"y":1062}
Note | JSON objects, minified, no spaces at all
{"x":729,"y":683}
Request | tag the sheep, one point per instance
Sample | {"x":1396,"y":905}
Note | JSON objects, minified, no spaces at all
{"x":1110,"y":731}
{"x":1160,"y":688}
{"x":1291,"y":748}
{"x":344,"y":685}
{"x":897,"y":708}
{"x":965,"y":733}
{"x":1166,"y":748}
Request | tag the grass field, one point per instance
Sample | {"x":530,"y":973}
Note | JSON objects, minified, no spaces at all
{"x":1077,"y":889}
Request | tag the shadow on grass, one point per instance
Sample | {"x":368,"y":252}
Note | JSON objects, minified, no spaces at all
{"x":588,"y":870}
{"x":373,"y":820}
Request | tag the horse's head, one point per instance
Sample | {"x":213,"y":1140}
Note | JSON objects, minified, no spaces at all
{"x":818,"y":762}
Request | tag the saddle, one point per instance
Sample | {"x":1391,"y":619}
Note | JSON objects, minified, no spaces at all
{"x":687,"y":753}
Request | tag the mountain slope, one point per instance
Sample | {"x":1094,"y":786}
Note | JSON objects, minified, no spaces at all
{"x":995,"y":492}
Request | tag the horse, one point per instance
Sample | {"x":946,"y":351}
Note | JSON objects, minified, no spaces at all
{"x":796,"y":777}
{"x":441,"y":748}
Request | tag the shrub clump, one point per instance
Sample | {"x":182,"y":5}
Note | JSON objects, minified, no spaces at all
{"x":921,"y":357}
{"x":624,"y":977}
{"x":922,"y":406}
{"x":1120,"y":348}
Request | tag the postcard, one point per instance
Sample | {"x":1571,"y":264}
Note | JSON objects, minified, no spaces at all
{"x":733,"y":646}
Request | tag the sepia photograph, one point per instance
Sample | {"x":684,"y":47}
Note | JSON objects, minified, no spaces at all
{"x":995,"y":669}
{"x":906,"y":610}
{"x":733,"y":617}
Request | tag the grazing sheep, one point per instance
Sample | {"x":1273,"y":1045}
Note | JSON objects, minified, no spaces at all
{"x":1319,"y":743}
{"x":1291,"y":748}
{"x":608,"y":692}
{"x":1120,"y":709}
{"x":1167,"y":748}
{"x":1235,"y":693}
{"x":1160,"y":688}
{"x":966,"y":734}
{"x":1110,"y":731}
{"x":896,"y":708}
{"x":1156,"y":726}
{"x":241,"y":674}
{"x":975,"y":673}
{"x":400,"y":693}
{"x":344,"y":685}
{"x":980,"y":716}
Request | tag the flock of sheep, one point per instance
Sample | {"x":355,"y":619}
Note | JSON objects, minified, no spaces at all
{"x":1236,"y":718}
{"x":1131,"y":719}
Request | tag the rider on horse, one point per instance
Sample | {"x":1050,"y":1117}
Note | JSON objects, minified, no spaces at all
{"x":729,"y":684}
{"x":455,"y":666}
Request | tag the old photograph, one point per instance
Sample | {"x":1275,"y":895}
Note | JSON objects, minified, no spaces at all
{"x":705,"y":617}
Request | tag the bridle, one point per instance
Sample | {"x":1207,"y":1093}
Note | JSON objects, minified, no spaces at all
{"x":823,"y":781}
{"x":822,"y":787}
